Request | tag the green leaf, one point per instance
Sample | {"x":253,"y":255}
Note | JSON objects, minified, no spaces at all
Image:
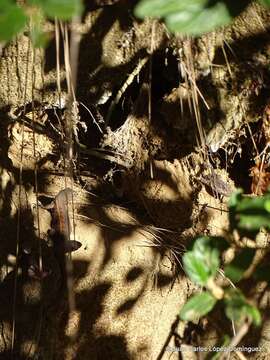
{"x":235,"y":305}
{"x":237,"y":308}
{"x":12,"y":20}
{"x":192,"y":17}
{"x":202,"y":262}
{"x":196,"y":269}
{"x":205,"y":242}
{"x":265,"y":2}
{"x":235,"y":198}
{"x":267,"y":205}
{"x":253,"y":313}
{"x":161,"y":8}
{"x":249,"y":214}
{"x":252,"y":203}
{"x":197,"y":306}
{"x":239,"y":265}
{"x":254,"y":222}
{"x":62,"y":9}
{"x":198,"y":21}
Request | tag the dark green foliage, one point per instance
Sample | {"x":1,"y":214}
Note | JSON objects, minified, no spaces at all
{"x":202,"y":261}
{"x":262,"y":273}
{"x":237,"y":308}
{"x":13,"y":18}
{"x":249,"y":214}
{"x":239,"y":265}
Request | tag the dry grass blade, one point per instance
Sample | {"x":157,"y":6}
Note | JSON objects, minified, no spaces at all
{"x":71,"y":52}
{"x":226,"y":59}
{"x":92,"y":116}
{"x":150,"y":71}
{"x":188,"y":70}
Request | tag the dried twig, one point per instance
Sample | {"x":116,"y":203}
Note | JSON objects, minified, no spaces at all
{"x":124,"y":87}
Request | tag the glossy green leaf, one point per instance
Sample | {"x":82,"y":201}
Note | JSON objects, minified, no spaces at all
{"x":12,"y":20}
{"x":197,"y":306}
{"x":202,"y":262}
{"x":62,"y":9}
{"x":239,"y":265}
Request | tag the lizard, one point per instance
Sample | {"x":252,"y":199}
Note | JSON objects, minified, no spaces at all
{"x":60,"y":228}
